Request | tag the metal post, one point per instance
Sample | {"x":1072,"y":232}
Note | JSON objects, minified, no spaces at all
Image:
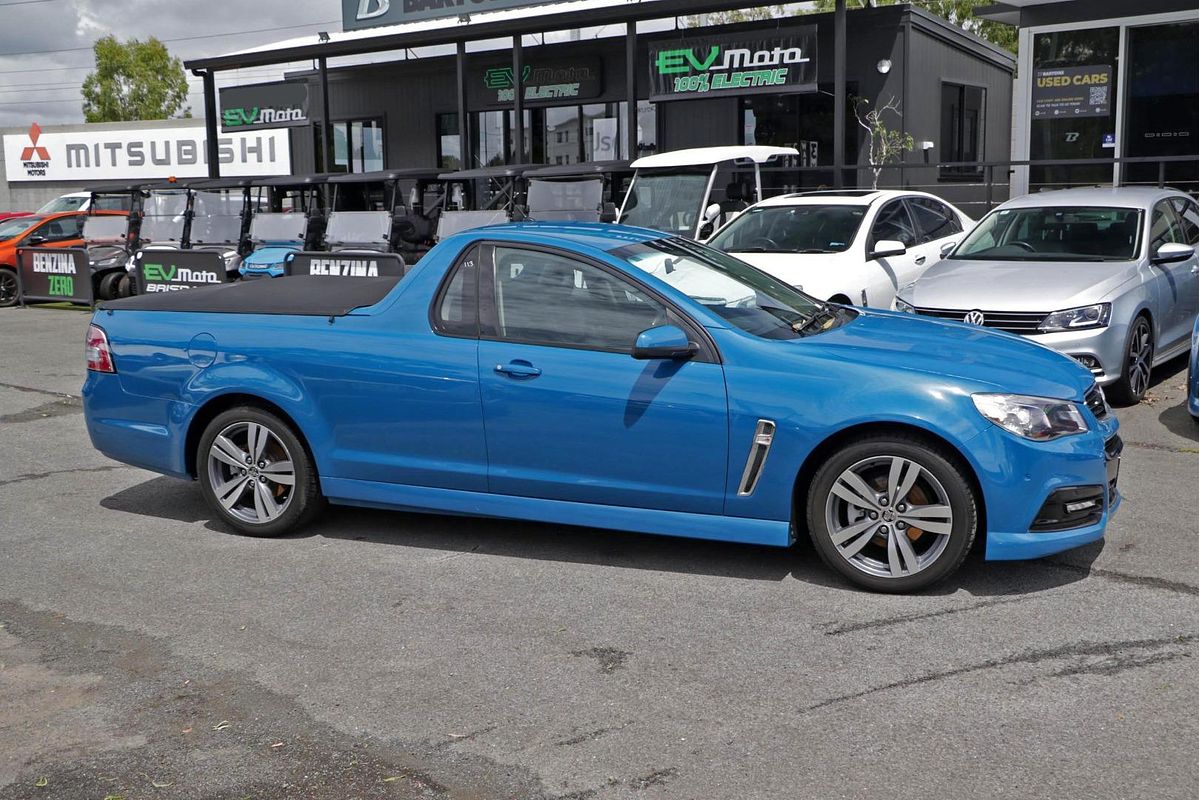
{"x":631,"y":135}
{"x":326,"y":128}
{"x":518,"y":103}
{"x":464,"y":146}
{"x":991,"y":172}
{"x":1162,"y":174}
{"x":839,"y":92}
{"x":211,"y":129}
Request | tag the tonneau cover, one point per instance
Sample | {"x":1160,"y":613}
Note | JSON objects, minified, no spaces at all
{"x":300,"y":295}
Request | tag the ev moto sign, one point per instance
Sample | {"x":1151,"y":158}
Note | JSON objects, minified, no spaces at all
{"x":264,"y":105}
{"x":167,"y":270}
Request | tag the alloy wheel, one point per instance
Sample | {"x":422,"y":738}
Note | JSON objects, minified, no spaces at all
{"x":889,"y":517}
{"x":1141,"y":352}
{"x":8,"y":287}
{"x":251,"y":472}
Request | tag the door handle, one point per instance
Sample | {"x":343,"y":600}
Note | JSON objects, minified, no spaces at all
{"x":518,"y":369}
{"x":919,"y":260}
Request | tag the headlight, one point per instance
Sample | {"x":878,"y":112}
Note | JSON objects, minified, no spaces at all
{"x":1074,"y":319}
{"x":906,"y":308}
{"x":1037,"y":418}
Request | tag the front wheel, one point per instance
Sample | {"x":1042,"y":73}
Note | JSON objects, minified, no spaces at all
{"x":256,"y":473}
{"x":892,"y":513}
{"x":1131,"y":387}
{"x":8,"y":287}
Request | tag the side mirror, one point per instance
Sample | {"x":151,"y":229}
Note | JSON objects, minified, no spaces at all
{"x":665,"y":341}
{"x":608,"y":212}
{"x":1171,"y":252}
{"x":712,"y":212}
{"x":35,"y":240}
{"x":888,"y":247}
{"x":948,"y":248}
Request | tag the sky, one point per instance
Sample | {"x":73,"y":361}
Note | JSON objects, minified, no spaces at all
{"x":44,"y":86}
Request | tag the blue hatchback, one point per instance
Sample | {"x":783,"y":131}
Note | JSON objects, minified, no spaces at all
{"x":613,"y":377}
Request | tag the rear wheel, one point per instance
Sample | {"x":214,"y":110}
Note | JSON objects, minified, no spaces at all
{"x":125,"y":286}
{"x":8,"y":287}
{"x":1135,"y":371}
{"x":106,"y":289}
{"x":892,"y":513}
{"x":256,"y":473}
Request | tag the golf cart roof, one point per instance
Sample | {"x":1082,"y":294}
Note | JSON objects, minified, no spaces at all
{"x":225,"y":183}
{"x":706,"y":156}
{"x":295,"y":180}
{"x":501,"y":171}
{"x":165,"y":186}
{"x":584,"y":169}
{"x":126,"y":189}
{"x":413,"y":173}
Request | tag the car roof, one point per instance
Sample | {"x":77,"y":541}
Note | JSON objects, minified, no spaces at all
{"x":1127,"y":196}
{"x":596,"y":235}
{"x":849,"y":197}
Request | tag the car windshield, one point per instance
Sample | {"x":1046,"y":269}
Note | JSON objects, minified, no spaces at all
{"x":61,"y":204}
{"x":278,"y":227}
{"x":828,"y":228}
{"x":17,"y":225}
{"x":666,"y":202}
{"x":578,"y":199}
{"x":359,"y":227}
{"x":1055,"y":233}
{"x":217,"y":216}
{"x":109,"y":227}
{"x":163,"y":216}
{"x":732,"y":289}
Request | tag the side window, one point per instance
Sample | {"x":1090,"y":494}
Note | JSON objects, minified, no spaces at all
{"x":1189,"y":219}
{"x":456,"y":309}
{"x":893,"y":223}
{"x":56,"y":230}
{"x":933,"y":219}
{"x":1164,"y":227}
{"x":550,"y":299}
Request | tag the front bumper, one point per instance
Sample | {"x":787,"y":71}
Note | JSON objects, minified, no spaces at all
{"x":1017,"y":476}
{"x":1105,"y":346}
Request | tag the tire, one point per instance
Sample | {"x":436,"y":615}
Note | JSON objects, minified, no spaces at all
{"x":268,"y":506}
{"x":886,"y":556}
{"x":106,"y":288}
{"x":126,"y":286}
{"x":8,"y":287}
{"x":1138,"y":360}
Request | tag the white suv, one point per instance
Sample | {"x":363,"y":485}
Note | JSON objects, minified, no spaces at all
{"x":854,"y":246}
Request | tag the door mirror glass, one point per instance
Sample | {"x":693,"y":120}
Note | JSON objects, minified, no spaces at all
{"x":1172,"y":252}
{"x":665,"y":341}
{"x":888,"y":247}
{"x":712,"y":212}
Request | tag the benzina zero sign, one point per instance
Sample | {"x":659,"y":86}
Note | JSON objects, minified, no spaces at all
{"x":281,"y":104}
{"x":749,"y":64}
{"x":54,"y":275}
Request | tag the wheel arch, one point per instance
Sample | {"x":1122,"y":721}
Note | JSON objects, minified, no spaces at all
{"x":819,"y":454}
{"x":215,"y":406}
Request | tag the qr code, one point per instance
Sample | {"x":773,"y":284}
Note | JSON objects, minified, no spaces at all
{"x":1097,"y":95}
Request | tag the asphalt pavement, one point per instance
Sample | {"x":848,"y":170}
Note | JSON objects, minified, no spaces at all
{"x":146,"y":652}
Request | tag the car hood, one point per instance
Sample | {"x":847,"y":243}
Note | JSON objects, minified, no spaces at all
{"x":977,"y":358}
{"x":792,"y":268}
{"x":1017,"y":285}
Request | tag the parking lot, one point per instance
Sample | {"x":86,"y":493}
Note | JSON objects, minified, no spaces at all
{"x":147,"y":653}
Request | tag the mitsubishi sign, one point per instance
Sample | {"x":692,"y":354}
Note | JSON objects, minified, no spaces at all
{"x":108,"y":154}
{"x":358,"y":14}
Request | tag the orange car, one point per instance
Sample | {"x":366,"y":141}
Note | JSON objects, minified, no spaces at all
{"x":47,"y":230}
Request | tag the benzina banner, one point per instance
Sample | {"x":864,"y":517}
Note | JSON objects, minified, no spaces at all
{"x":167,"y":270}
{"x":54,"y":275}
{"x":72,"y":156}
{"x":748,"y":64}
{"x":345,"y":265}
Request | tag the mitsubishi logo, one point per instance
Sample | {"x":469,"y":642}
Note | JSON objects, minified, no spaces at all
{"x":974,"y":317}
{"x":35,"y":133}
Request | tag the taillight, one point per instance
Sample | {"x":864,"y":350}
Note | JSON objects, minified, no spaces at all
{"x":99,"y":356}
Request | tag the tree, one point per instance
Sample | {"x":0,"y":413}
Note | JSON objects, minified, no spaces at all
{"x":959,"y":12}
{"x":730,"y":17}
{"x":884,"y":145}
{"x":132,"y":81}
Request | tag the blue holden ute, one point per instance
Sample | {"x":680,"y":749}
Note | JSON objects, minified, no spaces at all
{"x":615,"y":377}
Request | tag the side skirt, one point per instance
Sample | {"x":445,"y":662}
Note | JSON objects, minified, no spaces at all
{"x":343,"y":491}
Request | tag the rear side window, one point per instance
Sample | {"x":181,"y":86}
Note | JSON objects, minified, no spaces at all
{"x":1165,"y":227}
{"x":456,"y":309}
{"x":934,"y":219}
{"x":894,"y":224}
{"x":1188,"y":218}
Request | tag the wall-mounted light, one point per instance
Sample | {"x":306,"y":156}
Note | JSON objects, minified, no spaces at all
{"x":322,"y":36}
{"x":926,"y":145}
{"x":884,"y":66}
{"x":464,"y":19}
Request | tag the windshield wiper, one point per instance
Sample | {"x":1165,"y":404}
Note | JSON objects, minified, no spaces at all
{"x":815,"y":250}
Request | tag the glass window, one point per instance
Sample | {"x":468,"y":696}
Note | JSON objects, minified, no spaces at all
{"x":106,"y":227}
{"x":893,"y":223}
{"x":111,"y":202}
{"x":792,"y":229}
{"x":546,"y":298}
{"x":962,"y":129}
{"x":61,"y":229}
{"x":933,"y":219}
{"x":803,"y":121}
{"x":562,"y":135}
{"x":1054,"y":233}
{"x":164,"y":215}
{"x":1188,"y":219}
{"x":448,"y":150}
{"x":16,"y":226}
{"x":358,"y":145}
{"x":735,"y":291}
{"x":667,"y":202}
{"x":1165,"y":227}
{"x":1161,"y":102}
{"x":216,"y":216}
{"x":65,"y":203}
{"x":458,"y":304}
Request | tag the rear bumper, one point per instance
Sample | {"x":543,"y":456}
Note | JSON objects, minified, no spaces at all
{"x":141,"y":431}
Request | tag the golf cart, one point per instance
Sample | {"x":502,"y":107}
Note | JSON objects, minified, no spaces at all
{"x":392,"y":211}
{"x":587,"y":192}
{"x":482,"y":196}
{"x":289,"y":217}
{"x":111,"y":238}
{"x":692,"y":192}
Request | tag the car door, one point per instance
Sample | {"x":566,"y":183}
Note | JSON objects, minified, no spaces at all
{"x":569,"y":414}
{"x":57,"y":232}
{"x":1174,"y":283}
{"x":937,"y":228}
{"x":1188,"y":215}
{"x":893,"y":222}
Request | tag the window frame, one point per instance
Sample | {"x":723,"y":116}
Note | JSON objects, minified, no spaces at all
{"x":961,"y":174}
{"x":436,"y":323}
{"x":945,"y":210}
{"x":706,"y":351}
{"x":1179,"y":205}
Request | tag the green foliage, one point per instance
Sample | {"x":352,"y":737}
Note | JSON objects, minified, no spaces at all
{"x":738,"y":15}
{"x":959,"y":12}
{"x":884,"y":145}
{"x":134,"y":80}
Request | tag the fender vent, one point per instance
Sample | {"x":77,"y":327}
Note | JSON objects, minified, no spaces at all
{"x":764,"y":433}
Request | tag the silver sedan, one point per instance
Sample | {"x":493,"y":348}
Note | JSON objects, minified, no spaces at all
{"x":1106,"y":276}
